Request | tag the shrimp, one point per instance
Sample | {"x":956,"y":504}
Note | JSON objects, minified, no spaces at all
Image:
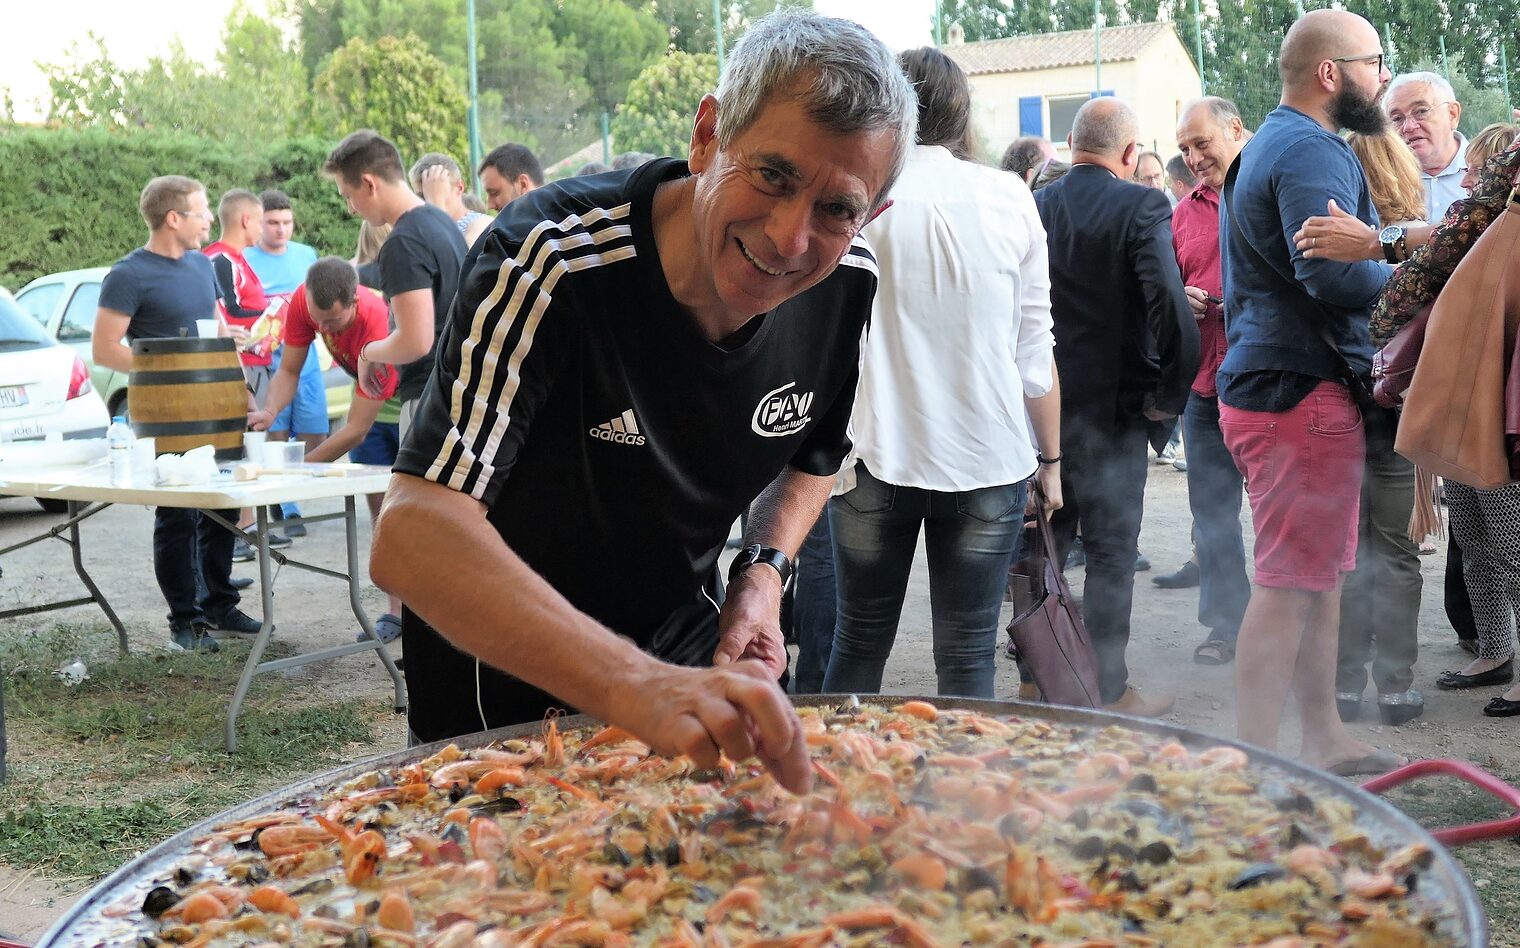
{"x":290,"y":839}
{"x":487,"y":840}
{"x":1369,"y":885}
{"x":395,"y":912}
{"x":739,"y":897}
{"x":1104,"y":766}
{"x":1224,"y":758}
{"x":461,"y":772}
{"x":501,"y":777}
{"x":554,"y":744}
{"x":272,"y":900}
{"x":923,"y":870}
{"x":922,"y":710}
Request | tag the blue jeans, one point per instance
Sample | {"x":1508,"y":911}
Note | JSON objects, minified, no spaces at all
{"x":192,"y":559}
{"x":815,"y":606}
{"x":971,"y":538}
{"x":1214,"y":494}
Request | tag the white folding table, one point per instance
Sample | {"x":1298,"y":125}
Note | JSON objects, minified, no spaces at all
{"x":88,"y":491}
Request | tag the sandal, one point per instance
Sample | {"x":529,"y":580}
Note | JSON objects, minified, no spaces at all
{"x":1375,"y":764}
{"x":1214,"y":652}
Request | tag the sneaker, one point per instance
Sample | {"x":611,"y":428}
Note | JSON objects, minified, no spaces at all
{"x":387,"y":629}
{"x":1186,"y":577}
{"x":1142,"y":563}
{"x":193,"y":638}
{"x":296,"y":530}
{"x":1180,"y":464}
{"x":237,"y":622}
{"x":241,"y":582}
{"x":243,"y":552}
{"x":1167,"y":456}
{"x":1133,"y":703}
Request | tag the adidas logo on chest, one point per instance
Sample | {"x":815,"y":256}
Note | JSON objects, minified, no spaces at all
{"x":624,"y":429}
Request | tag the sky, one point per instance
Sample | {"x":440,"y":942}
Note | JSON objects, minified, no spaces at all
{"x":135,"y":30}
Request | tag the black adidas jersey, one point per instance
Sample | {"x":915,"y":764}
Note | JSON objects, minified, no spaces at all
{"x":613,"y":444}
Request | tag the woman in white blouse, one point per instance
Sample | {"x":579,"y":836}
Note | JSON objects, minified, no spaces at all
{"x":958,"y":403}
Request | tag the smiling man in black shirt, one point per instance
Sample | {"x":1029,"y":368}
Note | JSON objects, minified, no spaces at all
{"x":419,"y":261}
{"x":633,"y":359}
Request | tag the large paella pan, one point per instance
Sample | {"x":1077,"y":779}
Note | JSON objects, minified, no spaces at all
{"x":934,"y":822}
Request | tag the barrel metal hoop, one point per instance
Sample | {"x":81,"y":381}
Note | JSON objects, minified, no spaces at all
{"x":184,"y":376}
{"x":168,"y":429}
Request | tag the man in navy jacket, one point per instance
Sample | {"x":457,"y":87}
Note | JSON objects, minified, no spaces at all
{"x":1127,"y":350}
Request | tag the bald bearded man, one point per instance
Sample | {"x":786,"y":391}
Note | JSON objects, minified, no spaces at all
{"x":1297,"y":335}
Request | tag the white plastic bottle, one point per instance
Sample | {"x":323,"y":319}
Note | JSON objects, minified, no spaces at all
{"x":119,"y":440}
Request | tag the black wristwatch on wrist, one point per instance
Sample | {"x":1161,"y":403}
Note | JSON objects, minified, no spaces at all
{"x":755,"y":554}
{"x":1395,"y":243}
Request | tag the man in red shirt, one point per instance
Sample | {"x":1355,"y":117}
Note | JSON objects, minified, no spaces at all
{"x":348,"y":317}
{"x":1210,"y":135}
{"x":240,"y":297}
{"x":240,"y":301}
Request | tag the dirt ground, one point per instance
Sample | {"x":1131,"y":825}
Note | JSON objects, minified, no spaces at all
{"x":312,"y":610}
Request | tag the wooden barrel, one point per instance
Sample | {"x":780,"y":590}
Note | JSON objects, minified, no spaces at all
{"x":185,"y":393}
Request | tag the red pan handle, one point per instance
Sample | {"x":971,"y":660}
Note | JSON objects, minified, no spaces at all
{"x":1462,"y":770}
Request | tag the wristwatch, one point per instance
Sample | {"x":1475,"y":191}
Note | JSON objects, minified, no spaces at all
{"x":1395,"y":247}
{"x":770,"y":556}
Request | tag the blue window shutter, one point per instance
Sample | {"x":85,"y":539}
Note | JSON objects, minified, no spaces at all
{"x":1101,"y":92}
{"x":1031,"y":115}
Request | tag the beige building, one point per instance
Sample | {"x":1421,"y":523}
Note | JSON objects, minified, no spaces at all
{"x":1033,"y":85}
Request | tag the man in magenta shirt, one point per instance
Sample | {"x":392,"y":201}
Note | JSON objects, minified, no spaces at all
{"x":1210,"y":135}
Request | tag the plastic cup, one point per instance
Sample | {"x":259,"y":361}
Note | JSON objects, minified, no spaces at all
{"x":143,"y":454}
{"x":206,"y":328}
{"x":253,"y":445}
{"x":274,"y":455}
{"x":295,"y":453}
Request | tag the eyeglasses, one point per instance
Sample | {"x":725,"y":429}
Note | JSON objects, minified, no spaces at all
{"x":186,"y":213}
{"x":1419,"y":113}
{"x":1378,"y":57}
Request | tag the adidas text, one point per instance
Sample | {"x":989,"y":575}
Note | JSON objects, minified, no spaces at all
{"x":606,"y":433}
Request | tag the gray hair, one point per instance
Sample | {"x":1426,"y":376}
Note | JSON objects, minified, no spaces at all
{"x":1436,"y":81}
{"x":1221,"y":110}
{"x":430,"y":160}
{"x":1104,"y":126}
{"x":846,"y":79}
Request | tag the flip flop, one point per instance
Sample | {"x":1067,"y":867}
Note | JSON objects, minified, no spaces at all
{"x":1374,"y":764}
{"x":1214,"y":652}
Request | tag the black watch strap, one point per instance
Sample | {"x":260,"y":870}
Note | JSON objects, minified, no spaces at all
{"x":770,"y":556}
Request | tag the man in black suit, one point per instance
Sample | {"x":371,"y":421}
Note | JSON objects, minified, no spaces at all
{"x":1127,"y":350}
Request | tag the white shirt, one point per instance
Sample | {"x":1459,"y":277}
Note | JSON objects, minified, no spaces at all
{"x":1441,"y":189}
{"x":960,"y":331}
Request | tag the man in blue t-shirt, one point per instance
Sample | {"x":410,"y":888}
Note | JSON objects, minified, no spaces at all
{"x":158,"y":291}
{"x":1297,"y":333}
{"x":281,"y":264}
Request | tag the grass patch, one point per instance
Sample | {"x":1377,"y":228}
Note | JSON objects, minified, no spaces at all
{"x":1494,"y":867}
{"x":105,"y":769}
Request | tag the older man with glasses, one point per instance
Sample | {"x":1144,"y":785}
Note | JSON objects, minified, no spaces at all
{"x":1424,"y":110}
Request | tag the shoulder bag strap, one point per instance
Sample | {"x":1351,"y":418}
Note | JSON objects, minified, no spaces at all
{"x":1349,"y":375}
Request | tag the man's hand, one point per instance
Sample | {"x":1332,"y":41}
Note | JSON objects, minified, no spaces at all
{"x":749,"y":626}
{"x":436,"y":185}
{"x":259,"y":420}
{"x":369,"y":377}
{"x":238,"y":333}
{"x":1198,"y":300}
{"x":1340,"y":237}
{"x":737,"y":709}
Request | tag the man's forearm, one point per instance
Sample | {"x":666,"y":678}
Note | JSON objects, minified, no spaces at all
{"x":282,"y":388}
{"x":491,"y":604}
{"x":787,"y":509}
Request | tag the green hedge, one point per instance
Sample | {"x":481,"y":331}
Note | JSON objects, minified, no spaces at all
{"x":68,"y":199}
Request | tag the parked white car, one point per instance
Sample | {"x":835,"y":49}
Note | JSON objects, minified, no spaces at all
{"x":45,"y":387}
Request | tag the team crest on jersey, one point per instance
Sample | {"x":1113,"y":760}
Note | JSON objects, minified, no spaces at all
{"x":782,"y":412}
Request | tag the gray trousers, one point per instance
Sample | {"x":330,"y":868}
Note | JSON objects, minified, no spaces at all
{"x":1380,"y":602}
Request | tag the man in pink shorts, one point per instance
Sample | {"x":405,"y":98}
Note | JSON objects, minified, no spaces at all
{"x":1297,"y":333}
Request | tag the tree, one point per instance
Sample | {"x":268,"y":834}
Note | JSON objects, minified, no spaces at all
{"x":615,"y":41}
{"x":657,"y":115}
{"x":397,"y":88}
{"x":84,"y":91}
{"x":689,"y":23}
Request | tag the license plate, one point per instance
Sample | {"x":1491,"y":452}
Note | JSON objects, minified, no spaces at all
{"x":12,"y":396}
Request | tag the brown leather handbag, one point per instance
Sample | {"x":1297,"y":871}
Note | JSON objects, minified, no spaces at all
{"x":1393,"y":365}
{"x":1048,"y":631}
{"x":1462,"y":411}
